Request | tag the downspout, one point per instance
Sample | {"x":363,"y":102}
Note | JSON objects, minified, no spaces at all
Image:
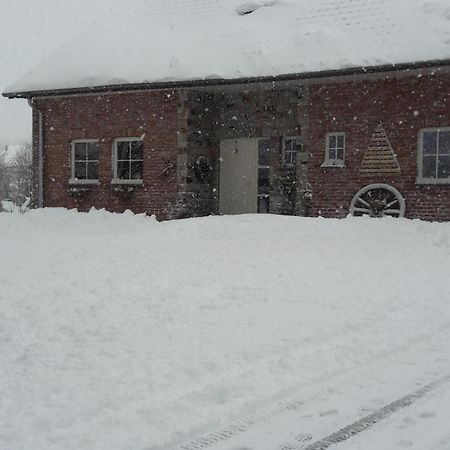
{"x":40,"y":155}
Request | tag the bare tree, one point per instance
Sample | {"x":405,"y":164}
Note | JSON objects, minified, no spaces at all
{"x":4,"y":177}
{"x":20,"y":175}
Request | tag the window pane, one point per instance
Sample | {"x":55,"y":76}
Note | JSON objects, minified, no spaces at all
{"x":429,"y":167}
{"x":290,"y":157}
{"x":123,"y":150}
{"x":297,"y":147}
{"x":444,"y":166}
{"x":332,"y":154}
{"x":429,"y":142}
{"x":80,"y":171}
{"x":92,"y":171}
{"x":340,"y":141}
{"x":137,"y":170}
{"x":92,"y":151}
{"x":332,"y":141}
{"x":137,"y":150}
{"x":80,"y":151}
{"x":291,"y":148}
{"x":444,"y":142}
{"x":340,"y":154}
{"x":123,"y":170}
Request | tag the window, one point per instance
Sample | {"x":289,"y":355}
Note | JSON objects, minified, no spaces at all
{"x":291,"y":146}
{"x":334,"y":150}
{"x":84,"y":161}
{"x":264,"y":147}
{"x":434,"y":155}
{"x":128,"y":160}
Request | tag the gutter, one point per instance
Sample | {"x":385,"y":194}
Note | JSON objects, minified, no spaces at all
{"x":40,"y":156}
{"x":232,"y":81}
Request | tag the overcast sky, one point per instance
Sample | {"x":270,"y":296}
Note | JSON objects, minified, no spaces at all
{"x":29,"y":31}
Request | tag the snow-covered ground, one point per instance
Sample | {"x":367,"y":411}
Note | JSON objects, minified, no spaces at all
{"x":10,"y":207}
{"x":118,"y":332}
{"x":425,"y":425}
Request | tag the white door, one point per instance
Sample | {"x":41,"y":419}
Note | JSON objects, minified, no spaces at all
{"x":238,"y":176}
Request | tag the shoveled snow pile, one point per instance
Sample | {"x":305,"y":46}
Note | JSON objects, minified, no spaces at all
{"x":179,"y":40}
{"x":118,"y":332}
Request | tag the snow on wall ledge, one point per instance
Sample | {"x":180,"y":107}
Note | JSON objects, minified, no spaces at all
{"x":250,"y":7}
{"x":175,"y":40}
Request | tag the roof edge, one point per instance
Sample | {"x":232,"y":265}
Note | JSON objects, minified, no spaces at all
{"x":228,"y":81}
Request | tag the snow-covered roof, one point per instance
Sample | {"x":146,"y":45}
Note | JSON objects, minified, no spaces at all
{"x":150,"y":41}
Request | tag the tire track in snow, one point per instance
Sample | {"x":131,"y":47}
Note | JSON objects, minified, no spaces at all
{"x":369,"y":421}
{"x":342,"y":435}
{"x":241,"y":426}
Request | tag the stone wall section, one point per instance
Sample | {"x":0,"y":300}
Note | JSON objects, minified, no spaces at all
{"x":269,"y":112}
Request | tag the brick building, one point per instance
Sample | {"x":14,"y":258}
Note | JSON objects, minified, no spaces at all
{"x":323,"y":137}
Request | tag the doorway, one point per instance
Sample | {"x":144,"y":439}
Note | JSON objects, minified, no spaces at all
{"x":244,"y":176}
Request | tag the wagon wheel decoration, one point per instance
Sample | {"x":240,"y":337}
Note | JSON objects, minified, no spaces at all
{"x":378,"y":200}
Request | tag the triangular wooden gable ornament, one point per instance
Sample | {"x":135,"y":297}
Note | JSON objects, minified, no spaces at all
{"x":380,"y":158}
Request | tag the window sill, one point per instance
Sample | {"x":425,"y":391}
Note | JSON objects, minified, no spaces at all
{"x":127,"y":182}
{"x":433,"y":181}
{"x":333,"y":164}
{"x":84,"y":183}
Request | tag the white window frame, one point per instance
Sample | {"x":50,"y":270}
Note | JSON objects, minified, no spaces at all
{"x":334,"y":162}
{"x":283,"y":151}
{"x":74,"y":180}
{"x":115,"y":179}
{"x":421,"y":179}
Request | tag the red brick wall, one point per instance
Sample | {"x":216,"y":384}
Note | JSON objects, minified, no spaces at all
{"x":106,"y":117}
{"x":404,"y":106}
